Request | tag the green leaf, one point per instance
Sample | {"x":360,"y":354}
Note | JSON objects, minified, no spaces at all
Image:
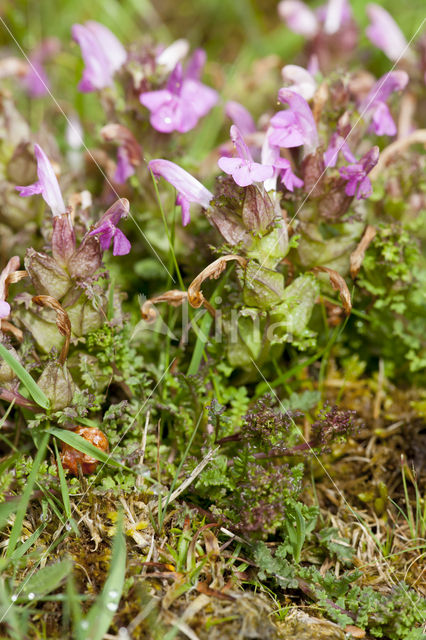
{"x":6,"y":509}
{"x":23,"y":548}
{"x":63,"y":483}
{"x":79,"y":443}
{"x":47,"y":579}
{"x":26,"y":495}
{"x":99,"y":618}
{"x":29,"y":383}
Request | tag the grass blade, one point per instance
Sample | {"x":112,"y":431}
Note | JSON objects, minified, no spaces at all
{"x":26,"y":495}
{"x":102,"y":612}
{"x":29,"y":383}
{"x":79,"y":443}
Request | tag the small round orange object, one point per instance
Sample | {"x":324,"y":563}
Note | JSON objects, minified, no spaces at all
{"x":71,"y":458}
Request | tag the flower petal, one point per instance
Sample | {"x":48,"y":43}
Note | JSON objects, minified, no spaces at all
{"x":385,"y":33}
{"x":302,"y":81}
{"x":301,"y":109}
{"x":182,"y":202}
{"x":4,"y":309}
{"x":47,"y":184}
{"x":111,"y":46}
{"x":124,"y":168}
{"x":183,"y":182}
{"x":121,"y":245}
{"x":240,"y":117}
{"x":299,"y":17}
{"x":97,"y":73}
{"x":171,"y":55}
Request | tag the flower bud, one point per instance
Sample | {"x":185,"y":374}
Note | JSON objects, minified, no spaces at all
{"x":312,"y":174}
{"x":258,"y":212}
{"x":46,"y":275}
{"x":88,"y":257}
{"x":63,"y":239}
{"x":72,"y":459}
{"x":58,"y":385}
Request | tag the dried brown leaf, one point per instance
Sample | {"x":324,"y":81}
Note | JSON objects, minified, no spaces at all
{"x":195,"y":295}
{"x":175,"y":297}
{"x":357,"y":256}
{"x":339,"y":284}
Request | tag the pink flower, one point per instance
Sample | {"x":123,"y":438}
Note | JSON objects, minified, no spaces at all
{"x":12,"y":265}
{"x":36,"y":81}
{"x":240,"y":117}
{"x":243,"y":169}
{"x":296,"y":126}
{"x":184,"y":101}
{"x":102,"y":52}
{"x":171,"y":55}
{"x":301,"y":19}
{"x":302,"y":80}
{"x":356,"y":174}
{"x":385,"y":33}
{"x":336,"y":145}
{"x":47,"y":184}
{"x":108,"y":231}
{"x":124,"y":167}
{"x":282,"y":167}
{"x":375,"y":103}
{"x":189,"y":189}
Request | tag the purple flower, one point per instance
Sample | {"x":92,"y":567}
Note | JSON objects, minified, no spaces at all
{"x":47,"y":184}
{"x":296,"y":126}
{"x":288,"y":178}
{"x":337,"y":144}
{"x":337,"y":12}
{"x":299,"y":17}
{"x":189,"y":189}
{"x":124,"y":167}
{"x":375,"y":106}
{"x":12,"y":265}
{"x":302,"y":80}
{"x":171,"y":55}
{"x":302,"y":20}
{"x":102,"y":52}
{"x":36,"y":81}
{"x":240,"y":117}
{"x":184,"y":101}
{"x":108,"y":231}
{"x":356,"y":174}
{"x":243,"y":169}
{"x":385,"y":33}
{"x":282,"y":167}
